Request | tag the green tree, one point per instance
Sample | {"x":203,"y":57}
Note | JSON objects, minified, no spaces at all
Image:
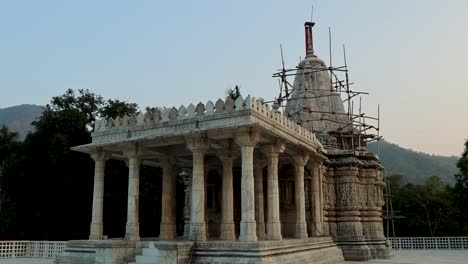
{"x":51,"y":184}
{"x":460,"y":192}
{"x":7,"y":143}
{"x":86,"y":102}
{"x":115,"y":108}
{"x":462,"y":165}
{"x":8,"y":153}
{"x":427,"y":209}
{"x":233,"y":93}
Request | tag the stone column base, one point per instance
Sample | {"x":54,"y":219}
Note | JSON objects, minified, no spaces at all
{"x":198,"y":231}
{"x":248,"y":231}
{"x":227,"y":231}
{"x":301,"y":230}
{"x":355,"y":251}
{"x":274,"y":231}
{"x":380,"y":249}
{"x":261,"y":231}
{"x":96,"y":231}
{"x":132,"y":231}
{"x":168,"y":231}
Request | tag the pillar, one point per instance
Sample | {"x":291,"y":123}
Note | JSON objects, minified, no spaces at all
{"x":198,"y":146}
{"x":299,"y":161}
{"x":132,"y":230}
{"x":187,"y":178}
{"x":248,"y":228}
{"x":259,"y":214}
{"x":272,"y":151}
{"x":227,"y":201}
{"x":168,"y":200}
{"x":96,"y":230}
{"x":316,"y":199}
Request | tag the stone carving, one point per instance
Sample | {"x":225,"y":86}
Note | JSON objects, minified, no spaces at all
{"x":229,"y":104}
{"x":173,"y":113}
{"x":182,"y":111}
{"x":200,"y":109}
{"x":209,"y":108}
{"x":219,"y":106}
{"x":140,"y":119}
{"x":155,"y":115}
{"x":165,"y":115}
{"x":239,"y":103}
{"x":190,"y":111}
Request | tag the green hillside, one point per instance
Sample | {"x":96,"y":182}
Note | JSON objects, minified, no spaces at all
{"x":414,"y":166}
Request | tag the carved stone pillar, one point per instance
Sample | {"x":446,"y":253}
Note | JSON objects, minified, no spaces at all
{"x":168,"y":200}
{"x":132,"y":230}
{"x":96,"y":230}
{"x":198,"y":146}
{"x":248,"y":228}
{"x":299,"y":161}
{"x":316,"y":201}
{"x":259,"y":214}
{"x":187,"y":180}
{"x":227,"y":206}
{"x":272,"y":151}
{"x":349,"y":227}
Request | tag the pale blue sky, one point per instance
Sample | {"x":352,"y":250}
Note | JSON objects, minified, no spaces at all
{"x":411,"y":55}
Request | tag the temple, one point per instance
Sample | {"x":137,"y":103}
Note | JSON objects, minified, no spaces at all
{"x":261,"y":185}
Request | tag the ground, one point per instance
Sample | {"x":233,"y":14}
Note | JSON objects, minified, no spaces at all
{"x":406,"y":257}
{"x":424,"y":257}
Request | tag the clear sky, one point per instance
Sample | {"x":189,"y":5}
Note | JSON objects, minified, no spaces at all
{"x":411,"y":55}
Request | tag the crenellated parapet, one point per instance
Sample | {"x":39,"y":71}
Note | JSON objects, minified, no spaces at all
{"x":222,"y":113}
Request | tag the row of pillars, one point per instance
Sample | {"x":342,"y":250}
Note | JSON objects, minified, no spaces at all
{"x":251,"y":194}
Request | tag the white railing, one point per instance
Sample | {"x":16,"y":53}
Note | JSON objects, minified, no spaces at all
{"x":30,"y":249}
{"x":429,"y":243}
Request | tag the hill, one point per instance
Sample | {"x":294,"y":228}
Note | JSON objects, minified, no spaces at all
{"x":18,"y":118}
{"x":415,"y":166}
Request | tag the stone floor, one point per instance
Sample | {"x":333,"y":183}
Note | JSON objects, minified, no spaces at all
{"x":26,"y":261}
{"x":402,"y":257}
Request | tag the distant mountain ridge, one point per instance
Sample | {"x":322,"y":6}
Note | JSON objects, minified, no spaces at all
{"x":415,"y":166}
{"x":18,"y":118}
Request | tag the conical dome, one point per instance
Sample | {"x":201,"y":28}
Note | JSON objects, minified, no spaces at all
{"x":313,"y":103}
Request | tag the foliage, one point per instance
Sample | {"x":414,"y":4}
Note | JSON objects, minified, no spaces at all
{"x":462,"y":165}
{"x":86,"y":102}
{"x":460,"y":190}
{"x":49,"y":188}
{"x":115,"y":108}
{"x":233,"y":93}
{"x":428,"y":209}
{"x":7,"y":142}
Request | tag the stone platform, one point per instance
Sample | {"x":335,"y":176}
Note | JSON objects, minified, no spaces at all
{"x":286,"y":251}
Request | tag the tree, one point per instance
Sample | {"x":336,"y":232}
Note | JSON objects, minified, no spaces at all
{"x":462,"y":165}
{"x":85,"y":102}
{"x":52,"y":186}
{"x":460,"y":192}
{"x":115,"y":108}
{"x":431,"y":198}
{"x":233,"y":93}
{"x":7,"y":144}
